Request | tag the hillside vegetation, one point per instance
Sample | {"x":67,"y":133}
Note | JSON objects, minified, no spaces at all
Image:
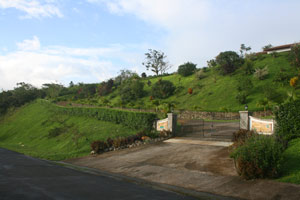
{"x":208,"y":90}
{"x":36,"y":130}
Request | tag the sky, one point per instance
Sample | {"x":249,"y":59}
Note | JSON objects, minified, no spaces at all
{"x":58,"y":41}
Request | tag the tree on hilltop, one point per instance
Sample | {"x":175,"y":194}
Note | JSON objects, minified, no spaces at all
{"x":155,"y":60}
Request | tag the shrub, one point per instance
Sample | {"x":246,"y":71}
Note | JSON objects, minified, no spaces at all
{"x":295,"y":56}
{"x":259,"y":157}
{"x":98,"y":146}
{"x":229,"y":61}
{"x":105,"y":87}
{"x":134,"y":120}
{"x":248,"y":67}
{"x":240,"y":136}
{"x":187,"y":69}
{"x":200,"y":74}
{"x":162,"y":89}
{"x":190,"y":91}
{"x":288,"y":121}
{"x":261,"y":74}
{"x":131,"y":90}
{"x":241,"y":97}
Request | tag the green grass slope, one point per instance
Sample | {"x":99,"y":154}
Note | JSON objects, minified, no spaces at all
{"x":31,"y":130}
{"x":209,"y":95}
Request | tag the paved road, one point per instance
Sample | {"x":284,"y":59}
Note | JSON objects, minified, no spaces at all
{"x":23,"y":177}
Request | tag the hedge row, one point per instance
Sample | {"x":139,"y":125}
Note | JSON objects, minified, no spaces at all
{"x":135,"y":120}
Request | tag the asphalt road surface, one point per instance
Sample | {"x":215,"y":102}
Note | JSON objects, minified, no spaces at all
{"x":24,"y":177}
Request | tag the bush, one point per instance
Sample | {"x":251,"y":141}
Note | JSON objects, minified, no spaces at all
{"x":162,"y":89}
{"x":131,"y":90}
{"x":241,"y":97}
{"x":200,"y":74}
{"x":261,"y":74}
{"x":187,"y":69}
{"x":240,"y":136}
{"x":288,"y":121}
{"x":98,"y":146}
{"x":229,"y":61}
{"x":134,"y":120}
{"x":259,"y":157}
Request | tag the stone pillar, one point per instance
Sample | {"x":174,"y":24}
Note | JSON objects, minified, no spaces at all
{"x":172,"y":121}
{"x":244,"y":120}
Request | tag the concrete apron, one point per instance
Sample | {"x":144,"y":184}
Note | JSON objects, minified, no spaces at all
{"x":203,"y":167}
{"x":200,"y":142}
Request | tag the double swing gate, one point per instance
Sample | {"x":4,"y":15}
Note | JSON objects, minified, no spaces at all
{"x":200,"y":128}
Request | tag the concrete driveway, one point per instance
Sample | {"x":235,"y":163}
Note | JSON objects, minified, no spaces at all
{"x":198,"y":165}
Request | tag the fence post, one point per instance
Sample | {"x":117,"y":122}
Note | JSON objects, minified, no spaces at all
{"x":172,"y":121}
{"x":244,"y":120}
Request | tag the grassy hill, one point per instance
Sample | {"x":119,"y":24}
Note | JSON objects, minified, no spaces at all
{"x":35,"y":130}
{"x":215,"y":92}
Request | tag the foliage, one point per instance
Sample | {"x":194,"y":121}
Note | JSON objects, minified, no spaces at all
{"x":271,"y":94}
{"x":291,"y":163}
{"x":21,"y":94}
{"x":200,"y":74}
{"x":144,"y":75}
{"x":259,"y":157}
{"x":190,"y":91}
{"x":162,"y":89}
{"x":248,"y":67}
{"x":187,"y":69}
{"x":123,"y":76}
{"x":155,"y":60}
{"x":211,"y":63}
{"x":131,"y":90}
{"x":288,"y":121}
{"x":229,"y":61}
{"x":264,"y":103}
{"x":294,"y":81}
{"x":135,"y":120}
{"x":244,"y":85}
{"x":240,"y":137}
{"x":267,"y":47}
{"x":244,"y":50}
{"x":105,"y":87}
{"x":295,"y":56}
{"x":261,"y":73}
{"x":241,"y":97}
{"x":282,"y":77}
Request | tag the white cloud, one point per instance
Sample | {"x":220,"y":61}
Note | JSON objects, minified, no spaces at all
{"x":30,"y":45}
{"x":33,"y":8}
{"x":197,"y":30}
{"x":36,"y":64}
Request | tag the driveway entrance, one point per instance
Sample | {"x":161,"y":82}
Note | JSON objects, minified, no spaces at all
{"x":207,"y":130}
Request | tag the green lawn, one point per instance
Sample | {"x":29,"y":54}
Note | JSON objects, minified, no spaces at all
{"x":27,"y":131}
{"x":291,"y":163}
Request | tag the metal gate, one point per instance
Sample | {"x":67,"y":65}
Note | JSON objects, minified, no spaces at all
{"x":208,"y":129}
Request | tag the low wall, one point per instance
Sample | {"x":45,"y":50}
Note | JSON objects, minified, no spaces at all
{"x":262,"y":126}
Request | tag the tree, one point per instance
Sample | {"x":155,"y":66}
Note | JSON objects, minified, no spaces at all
{"x":162,"y":89}
{"x":295,"y":56}
{"x":52,"y":89}
{"x":131,"y":90}
{"x":143,"y":75}
{"x":248,"y":67}
{"x":105,"y":87}
{"x":155,"y":60}
{"x":244,"y":50}
{"x":123,"y":76}
{"x":267,"y":47}
{"x":187,"y":69}
{"x":229,"y":61}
